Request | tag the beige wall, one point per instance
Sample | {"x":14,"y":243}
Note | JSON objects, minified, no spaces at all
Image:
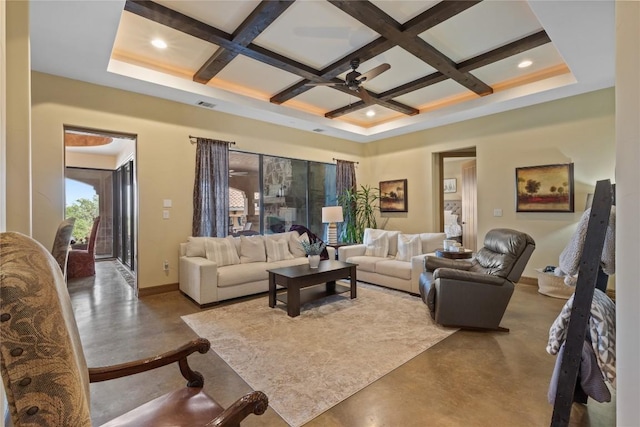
{"x":165,"y":158}
{"x":18,"y":117}
{"x":578,"y":129}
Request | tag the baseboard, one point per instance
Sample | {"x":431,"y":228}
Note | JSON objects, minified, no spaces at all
{"x":154,"y":290}
{"x":528,"y":281}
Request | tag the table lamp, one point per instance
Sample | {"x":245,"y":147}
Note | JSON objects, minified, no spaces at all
{"x":331,"y":215}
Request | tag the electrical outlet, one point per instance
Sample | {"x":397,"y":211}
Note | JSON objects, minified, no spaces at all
{"x":165,"y":265}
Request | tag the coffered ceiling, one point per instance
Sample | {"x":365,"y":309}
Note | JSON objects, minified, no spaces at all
{"x":286,"y":62}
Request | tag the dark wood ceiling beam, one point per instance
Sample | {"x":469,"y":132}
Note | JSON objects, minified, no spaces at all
{"x":526,"y":43}
{"x":417,"y":25}
{"x":373,"y":17}
{"x":522,"y":45}
{"x":178,"y":21}
{"x":259,"y":19}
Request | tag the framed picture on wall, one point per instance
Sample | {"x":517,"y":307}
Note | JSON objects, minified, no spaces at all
{"x":450,"y":185}
{"x":393,"y":196}
{"x":547,"y":188}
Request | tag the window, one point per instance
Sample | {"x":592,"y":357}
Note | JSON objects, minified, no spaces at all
{"x":282,"y":191}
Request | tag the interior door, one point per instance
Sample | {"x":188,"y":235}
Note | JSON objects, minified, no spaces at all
{"x":469,"y":205}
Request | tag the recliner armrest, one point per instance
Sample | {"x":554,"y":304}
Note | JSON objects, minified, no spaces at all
{"x":432,"y":263}
{"x":468,"y":276}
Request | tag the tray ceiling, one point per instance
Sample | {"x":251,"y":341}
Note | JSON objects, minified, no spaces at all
{"x":272,"y":60}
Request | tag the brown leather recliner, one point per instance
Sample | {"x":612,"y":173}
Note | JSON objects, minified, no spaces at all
{"x":475,"y":294}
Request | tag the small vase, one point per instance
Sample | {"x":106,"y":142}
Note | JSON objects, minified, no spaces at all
{"x":314,"y":261}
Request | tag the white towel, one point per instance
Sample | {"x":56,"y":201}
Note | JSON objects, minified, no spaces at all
{"x":570,"y":256}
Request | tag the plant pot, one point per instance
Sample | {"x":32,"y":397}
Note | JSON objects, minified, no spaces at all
{"x":314,"y":261}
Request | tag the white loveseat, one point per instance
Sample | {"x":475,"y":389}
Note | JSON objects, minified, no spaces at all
{"x":214,"y":269}
{"x":391,"y":258}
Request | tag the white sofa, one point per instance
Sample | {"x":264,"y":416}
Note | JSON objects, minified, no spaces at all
{"x":391,"y":258}
{"x":214,"y":269}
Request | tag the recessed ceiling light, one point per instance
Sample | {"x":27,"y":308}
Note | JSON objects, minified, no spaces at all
{"x":160,"y":44}
{"x":524,"y":64}
{"x":371,"y":113}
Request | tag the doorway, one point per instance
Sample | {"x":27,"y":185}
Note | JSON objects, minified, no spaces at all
{"x":100,"y":180}
{"x":458,"y":196}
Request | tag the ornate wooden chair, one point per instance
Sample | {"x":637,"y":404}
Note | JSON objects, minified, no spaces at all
{"x":61,"y":242}
{"x":82,"y":258}
{"x":42,"y":364}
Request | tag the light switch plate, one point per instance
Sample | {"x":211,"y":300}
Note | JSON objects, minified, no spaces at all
{"x":497,"y":212}
{"x":166,"y":203}
{"x":165,"y":214}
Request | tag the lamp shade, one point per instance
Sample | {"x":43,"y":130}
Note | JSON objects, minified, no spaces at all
{"x":332,"y":214}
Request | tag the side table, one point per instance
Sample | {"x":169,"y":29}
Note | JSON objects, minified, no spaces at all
{"x":336,"y":246}
{"x":467,"y":254}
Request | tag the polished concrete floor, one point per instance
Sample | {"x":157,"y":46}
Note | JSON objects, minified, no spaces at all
{"x":469,"y":379}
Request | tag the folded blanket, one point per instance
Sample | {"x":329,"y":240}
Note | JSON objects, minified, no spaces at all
{"x":570,"y":256}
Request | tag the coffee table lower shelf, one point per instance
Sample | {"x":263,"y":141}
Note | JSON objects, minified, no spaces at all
{"x":313,"y":293}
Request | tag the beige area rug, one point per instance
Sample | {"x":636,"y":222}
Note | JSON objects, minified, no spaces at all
{"x":336,"y":347}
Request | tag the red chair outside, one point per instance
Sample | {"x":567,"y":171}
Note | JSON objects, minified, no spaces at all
{"x":82,"y":261}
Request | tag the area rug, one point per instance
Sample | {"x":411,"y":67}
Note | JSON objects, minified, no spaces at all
{"x":336,"y":347}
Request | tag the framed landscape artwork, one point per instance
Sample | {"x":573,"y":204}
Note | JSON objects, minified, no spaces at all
{"x":547,"y":188}
{"x":450,"y":185}
{"x":393,"y":196}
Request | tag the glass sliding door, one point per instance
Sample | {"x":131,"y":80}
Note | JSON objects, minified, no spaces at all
{"x":281,"y":191}
{"x":124,"y":223}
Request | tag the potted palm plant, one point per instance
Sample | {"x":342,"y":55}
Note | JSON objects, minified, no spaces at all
{"x":313,"y":251}
{"x":359,"y":212}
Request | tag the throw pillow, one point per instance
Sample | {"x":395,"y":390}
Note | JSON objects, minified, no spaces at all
{"x":195,"y":246}
{"x":409,"y":245}
{"x":294,"y":244}
{"x":277,"y":250}
{"x":378,"y":247}
{"x":252,"y":249}
{"x":222,"y":251}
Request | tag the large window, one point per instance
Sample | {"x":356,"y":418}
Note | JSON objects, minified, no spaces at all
{"x":281,"y":191}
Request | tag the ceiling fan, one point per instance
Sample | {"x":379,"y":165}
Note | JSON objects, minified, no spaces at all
{"x":354,"y":79}
{"x":237,"y":173}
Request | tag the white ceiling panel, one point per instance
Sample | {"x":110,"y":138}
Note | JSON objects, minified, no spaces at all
{"x":433,"y":93}
{"x":543,"y":57}
{"x":402,"y":10}
{"x":483,"y":27}
{"x":183,"y":52}
{"x":324,"y":98}
{"x":225,"y":15}
{"x":254,"y":76}
{"x":315,"y":33}
{"x":381,"y":114}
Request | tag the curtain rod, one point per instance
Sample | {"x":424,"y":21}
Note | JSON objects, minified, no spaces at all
{"x":193,"y":142}
{"x":357,"y":163}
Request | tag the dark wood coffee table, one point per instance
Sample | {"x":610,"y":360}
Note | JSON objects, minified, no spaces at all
{"x":298,"y":277}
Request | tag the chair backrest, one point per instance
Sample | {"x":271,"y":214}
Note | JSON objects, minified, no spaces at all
{"x":505,"y":254}
{"x":94,"y":234}
{"x":43,"y":368}
{"x":61,"y":242}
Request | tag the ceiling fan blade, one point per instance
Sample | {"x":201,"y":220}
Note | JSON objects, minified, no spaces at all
{"x":364,"y":95}
{"x":376,"y":71}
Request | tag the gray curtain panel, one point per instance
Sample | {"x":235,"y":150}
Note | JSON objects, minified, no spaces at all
{"x":345,"y":180}
{"x":211,"y":189}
